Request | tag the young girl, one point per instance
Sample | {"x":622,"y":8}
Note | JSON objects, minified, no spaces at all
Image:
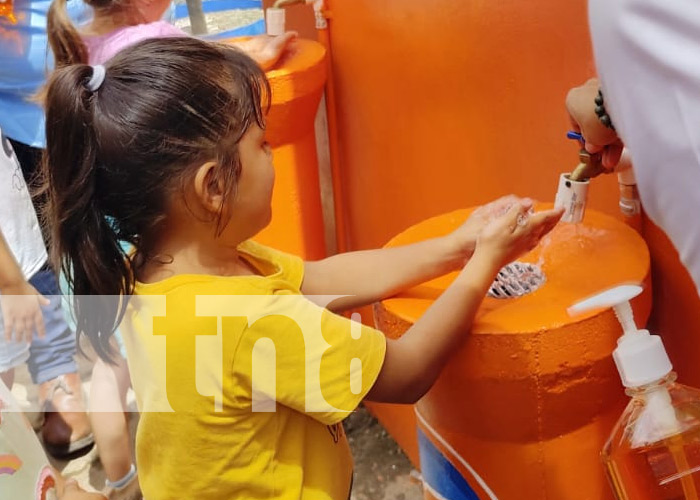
{"x":119,"y":23}
{"x":22,"y":254}
{"x":242,"y":382}
{"x":116,"y":24}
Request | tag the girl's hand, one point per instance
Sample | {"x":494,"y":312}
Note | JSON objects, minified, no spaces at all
{"x":21,"y":311}
{"x":508,"y":237}
{"x":267,"y":50}
{"x":464,"y":237}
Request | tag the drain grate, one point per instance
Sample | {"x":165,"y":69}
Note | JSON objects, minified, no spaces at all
{"x":515,"y":280}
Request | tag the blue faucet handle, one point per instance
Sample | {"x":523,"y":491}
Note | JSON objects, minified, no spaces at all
{"x":575,"y":136}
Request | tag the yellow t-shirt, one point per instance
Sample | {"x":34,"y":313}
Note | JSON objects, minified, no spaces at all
{"x":218,"y":420}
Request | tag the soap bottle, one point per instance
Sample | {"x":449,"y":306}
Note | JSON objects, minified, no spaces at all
{"x":653,"y":452}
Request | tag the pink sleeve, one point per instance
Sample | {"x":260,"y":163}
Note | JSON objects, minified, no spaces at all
{"x":166,"y":29}
{"x":103,"y":48}
{"x":159,"y":29}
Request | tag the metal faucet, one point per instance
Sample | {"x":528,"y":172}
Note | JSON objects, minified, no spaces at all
{"x":591,"y":165}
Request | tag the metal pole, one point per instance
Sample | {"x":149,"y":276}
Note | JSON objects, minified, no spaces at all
{"x":197,"y":23}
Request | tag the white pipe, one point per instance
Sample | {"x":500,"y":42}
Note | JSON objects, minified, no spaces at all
{"x":572,"y":196}
{"x":321,"y":21}
{"x":630,"y":204}
{"x":275,"y":21}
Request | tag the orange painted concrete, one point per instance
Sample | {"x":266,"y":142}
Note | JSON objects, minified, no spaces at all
{"x":444,"y":104}
{"x":532,"y":394}
{"x":297,"y":84}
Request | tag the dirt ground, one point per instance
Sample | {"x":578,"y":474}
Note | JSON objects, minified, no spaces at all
{"x":382,"y":471}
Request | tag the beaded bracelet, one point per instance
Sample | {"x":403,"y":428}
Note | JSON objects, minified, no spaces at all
{"x":600,"y":111}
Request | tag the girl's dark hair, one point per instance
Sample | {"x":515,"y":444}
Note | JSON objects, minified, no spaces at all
{"x":64,"y":39}
{"x":116,"y":155}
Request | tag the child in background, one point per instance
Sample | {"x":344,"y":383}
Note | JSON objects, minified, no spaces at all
{"x":119,"y":23}
{"x":184,"y":174}
{"x":24,"y":468}
{"x":22,"y":254}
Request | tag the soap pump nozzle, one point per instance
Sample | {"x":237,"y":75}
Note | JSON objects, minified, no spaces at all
{"x":640,"y":357}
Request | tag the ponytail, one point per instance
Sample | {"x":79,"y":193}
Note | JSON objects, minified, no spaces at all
{"x":121,"y":148}
{"x":83,"y":243}
{"x":65,"y":42}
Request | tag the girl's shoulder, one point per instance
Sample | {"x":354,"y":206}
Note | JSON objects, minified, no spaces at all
{"x":101,"y":48}
{"x":274,"y":263}
{"x":156,"y":29}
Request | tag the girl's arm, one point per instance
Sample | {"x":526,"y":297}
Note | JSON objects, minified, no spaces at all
{"x":413,"y":362}
{"x":267,"y":50}
{"x":371,"y":275}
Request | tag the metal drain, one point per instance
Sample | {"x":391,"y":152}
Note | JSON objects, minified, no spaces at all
{"x":515,"y":280}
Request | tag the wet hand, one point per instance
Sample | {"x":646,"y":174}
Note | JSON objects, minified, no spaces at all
{"x":580,"y":103}
{"x":516,"y":232}
{"x":464,"y":238}
{"x":268,"y":50}
{"x":21,"y":312}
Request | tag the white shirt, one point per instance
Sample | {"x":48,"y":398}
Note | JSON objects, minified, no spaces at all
{"x":648,"y":58}
{"x":18,"y":220}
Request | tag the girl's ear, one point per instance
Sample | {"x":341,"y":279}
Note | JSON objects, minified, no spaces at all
{"x":209,"y":187}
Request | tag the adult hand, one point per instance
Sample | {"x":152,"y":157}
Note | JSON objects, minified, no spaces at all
{"x":580,"y":103}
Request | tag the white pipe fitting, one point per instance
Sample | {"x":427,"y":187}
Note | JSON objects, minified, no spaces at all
{"x":275,"y":21}
{"x":321,"y":21}
{"x":572,"y":196}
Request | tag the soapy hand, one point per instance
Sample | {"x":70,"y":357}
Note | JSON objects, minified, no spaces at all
{"x":267,"y":50}
{"x":580,"y":103}
{"x":516,"y":232}
{"x":465,"y":236}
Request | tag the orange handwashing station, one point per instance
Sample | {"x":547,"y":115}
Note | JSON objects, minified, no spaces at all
{"x":297,"y":220}
{"x":523,"y":409}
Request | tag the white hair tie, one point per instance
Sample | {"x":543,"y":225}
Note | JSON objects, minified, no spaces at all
{"x":97,"y":78}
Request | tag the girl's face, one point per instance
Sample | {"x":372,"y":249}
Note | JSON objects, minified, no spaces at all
{"x":251,"y":209}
